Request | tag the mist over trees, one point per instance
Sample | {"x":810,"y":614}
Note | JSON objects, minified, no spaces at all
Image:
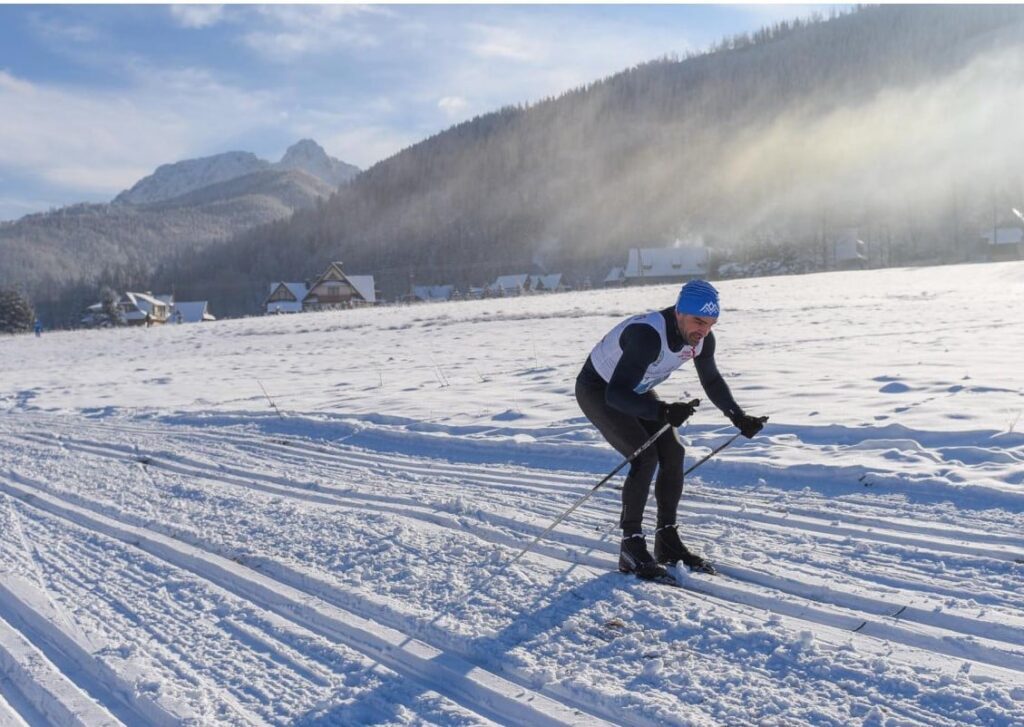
{"x":894,"y":120}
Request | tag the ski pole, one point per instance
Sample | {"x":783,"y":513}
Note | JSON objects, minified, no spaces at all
{"x":712,"y":453}
{"x":694,"y":466}
{"x":587,"y":496}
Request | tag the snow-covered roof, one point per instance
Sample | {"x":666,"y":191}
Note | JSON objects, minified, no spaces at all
{"x":667,"y":262}
{"x":545,"y":282}
{"x":1005,"y":236}
{"x":192,"y":311}
{"x":145,"y":302}
{"x":509,"y":282}
{"x":365,"y":286}
{"x":299,"y":290}
{"x":615,"y":275}
{"x":433,"y":292}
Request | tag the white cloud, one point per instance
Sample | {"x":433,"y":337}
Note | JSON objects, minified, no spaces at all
{"x":295,"y":31}
{"x":197,"y":16}
{"x":453,"y":106}
{"x":103,"y":142}
{"x":61,"y":31}
{"x":490,"y":41}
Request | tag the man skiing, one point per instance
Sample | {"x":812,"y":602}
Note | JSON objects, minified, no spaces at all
{"x":615,"y":391}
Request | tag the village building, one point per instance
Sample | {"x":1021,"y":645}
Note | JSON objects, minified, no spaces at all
{"x":432,"y":293}
{"x":525,"y":283}
{"x":1004,"y":242}
{"x":335,"y":289}
{"x":134,"y":309}
{"x":551,"y":283}
{"x":849,"y":252}
{"x":285,"y":298}
{"x":651,"y":265}
{"x":615,"y":277}
{"x":192,"y":311}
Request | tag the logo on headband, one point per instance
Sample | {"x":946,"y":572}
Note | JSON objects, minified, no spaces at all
{"x":709,"y":309}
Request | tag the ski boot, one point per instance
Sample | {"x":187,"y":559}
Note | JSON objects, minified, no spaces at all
{"x":669,"y":549}
{"x":634,"y":558}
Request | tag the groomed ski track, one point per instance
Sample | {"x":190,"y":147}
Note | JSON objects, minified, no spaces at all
{"x":249,"y":518}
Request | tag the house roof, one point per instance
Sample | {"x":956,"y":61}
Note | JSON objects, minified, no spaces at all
{"x":664,"y":262}
{"x":547,"y":282}
{"x":615,"y":275}
{"x":364,"y":285}
{"x":298,"y":290}
{"x":509,"y":282}
{"x":193,"y":311}
{"x":144,"y":298}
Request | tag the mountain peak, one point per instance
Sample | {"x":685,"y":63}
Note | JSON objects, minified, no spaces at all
{"x":173,"y":180}
{"x":302,"y":150}
{"x":308,"y":156}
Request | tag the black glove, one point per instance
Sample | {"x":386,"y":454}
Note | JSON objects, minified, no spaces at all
{"x":749,"y":425}
{"x":678,"y":412}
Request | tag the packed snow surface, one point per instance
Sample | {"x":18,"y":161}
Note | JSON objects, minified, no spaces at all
{"x":306,"y":519}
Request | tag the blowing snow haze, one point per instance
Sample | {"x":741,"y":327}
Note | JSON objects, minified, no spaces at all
{"x":892,"y":120}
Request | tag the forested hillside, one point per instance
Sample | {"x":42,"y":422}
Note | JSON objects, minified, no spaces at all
{"x":62,"y":258}
{"x":891,"y":119}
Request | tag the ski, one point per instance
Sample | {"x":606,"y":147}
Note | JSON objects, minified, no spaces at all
{"x":665,"y":580}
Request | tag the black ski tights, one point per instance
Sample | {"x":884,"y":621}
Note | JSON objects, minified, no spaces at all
{"x":627,"y":433}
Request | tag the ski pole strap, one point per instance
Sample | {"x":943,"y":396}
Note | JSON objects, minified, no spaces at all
{"x":587,"y":496}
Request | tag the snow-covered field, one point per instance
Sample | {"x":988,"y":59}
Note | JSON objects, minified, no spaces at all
{"x":175,"y":550}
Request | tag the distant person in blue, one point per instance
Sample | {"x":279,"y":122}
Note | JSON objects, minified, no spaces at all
{"x":38,"y":327}
{"x":615,"y":389}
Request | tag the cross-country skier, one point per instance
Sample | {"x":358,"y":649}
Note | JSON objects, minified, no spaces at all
{"x":615,"y":391}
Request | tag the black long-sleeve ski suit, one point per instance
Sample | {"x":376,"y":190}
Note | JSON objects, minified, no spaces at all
{"x":627,"y":419}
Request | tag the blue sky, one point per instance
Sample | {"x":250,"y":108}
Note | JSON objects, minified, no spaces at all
{"x":93,"y":98}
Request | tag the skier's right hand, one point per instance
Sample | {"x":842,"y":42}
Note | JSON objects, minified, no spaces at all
{"x":678,"y":412}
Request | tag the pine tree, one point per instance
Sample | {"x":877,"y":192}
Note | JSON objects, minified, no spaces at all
{"x":16,"y":314}
{"x":109,"y":300}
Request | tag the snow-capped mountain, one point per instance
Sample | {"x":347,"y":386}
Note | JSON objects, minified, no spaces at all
{"x":173,"y":180}
{"x":308,"y":156}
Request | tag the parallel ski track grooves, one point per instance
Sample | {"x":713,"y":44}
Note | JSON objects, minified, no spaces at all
{"x":907,"y":710}
{"x":407,"y":507}
{"x":355,"y":459}
{"x":942,"y":540}
{"x":866,"y":606}
{"x":387,"y":503}
{"x":505,"y":701}
{"x":108,"y":689}
{"x":37,"y":692}
{"x":863,"y":609}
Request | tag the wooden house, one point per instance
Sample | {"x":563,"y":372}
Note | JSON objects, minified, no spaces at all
{"x":285,"y":298}
{"x":335,"y":289}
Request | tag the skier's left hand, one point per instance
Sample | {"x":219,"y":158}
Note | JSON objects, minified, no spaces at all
{"x":749,"y":425}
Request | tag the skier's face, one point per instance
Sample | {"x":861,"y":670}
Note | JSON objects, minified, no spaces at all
{"x":694,"y":328}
